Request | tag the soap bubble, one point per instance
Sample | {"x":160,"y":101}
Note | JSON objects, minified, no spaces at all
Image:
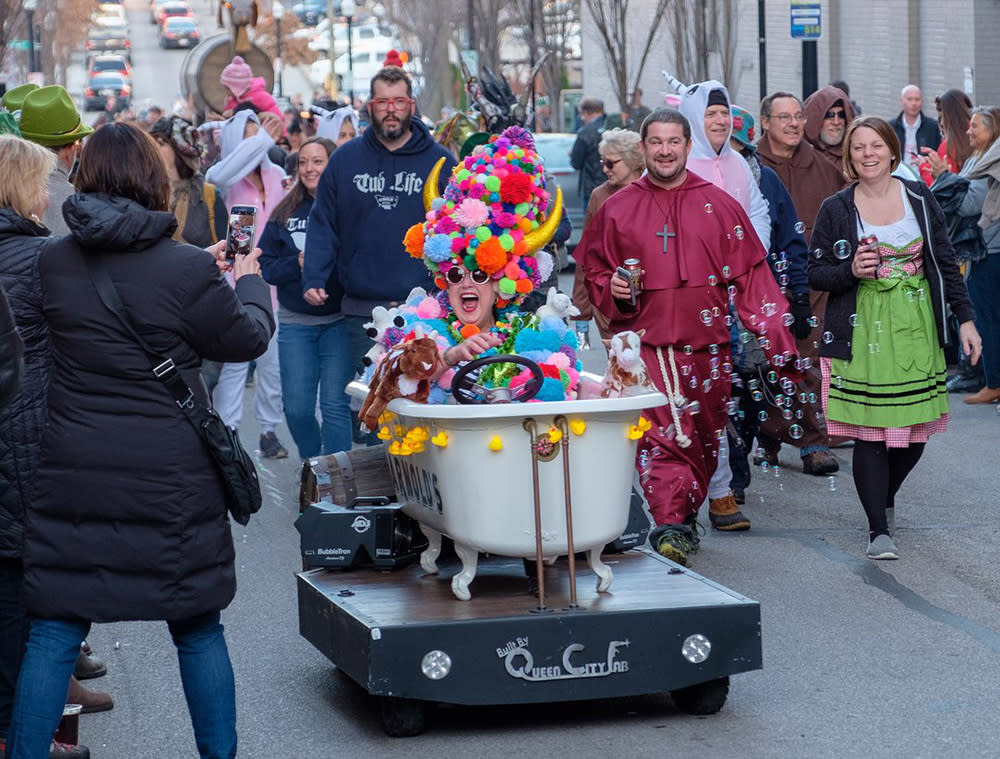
{"x":715,"y":311}
{"x":783,"y":280}
{"x":757,"y":395}
{"x":738,"y":231}
{"x":853,"y":320}
{"x":786,"y":414}
{"x":725,"y":271}
{"x":788,"y":320}
{"x":831,"y":483}
{"x":795,"y":432}
{"x":732,"y":291}
{"x":842,"y":249}
{"x":762,"y":415}
{"x":712,"y":280}
{"x":772,"y":376}
{"x":818,"y":253}
{"x":813,"y":321}
{"x":688,"y":350}
{"x":706,"y":317}
{"x":828,"y":337}
{"x":713,"y":349}
{"x":800,"y":227}
{"x":708,"y":208}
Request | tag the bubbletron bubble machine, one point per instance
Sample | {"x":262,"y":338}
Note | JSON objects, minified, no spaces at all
{"x":525,"y":491}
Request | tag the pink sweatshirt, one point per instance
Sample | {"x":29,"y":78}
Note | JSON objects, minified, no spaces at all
{"x":258,"y":95}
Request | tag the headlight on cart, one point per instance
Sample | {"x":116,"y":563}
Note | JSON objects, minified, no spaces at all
{"x":435,"y":665}
{"x":696,"y":648}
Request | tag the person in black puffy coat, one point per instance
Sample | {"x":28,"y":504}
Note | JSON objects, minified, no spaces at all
{"x":22,"y":204}
{"x":128,"y":518}
{"x":11,"y":353}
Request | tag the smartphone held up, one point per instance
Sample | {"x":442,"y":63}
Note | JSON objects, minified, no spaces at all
{"x":242,"y":225}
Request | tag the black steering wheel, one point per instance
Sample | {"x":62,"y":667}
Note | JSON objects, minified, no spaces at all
{"x":466,"y":388}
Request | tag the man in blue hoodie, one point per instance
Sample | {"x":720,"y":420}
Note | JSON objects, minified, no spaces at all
{"x":370,"y":193}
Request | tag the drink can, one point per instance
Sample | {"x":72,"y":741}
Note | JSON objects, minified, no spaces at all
{"x":869,"y":241}
{"x":634,"y":269}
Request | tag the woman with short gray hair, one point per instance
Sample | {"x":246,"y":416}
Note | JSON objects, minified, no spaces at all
{"x":623,"y":162}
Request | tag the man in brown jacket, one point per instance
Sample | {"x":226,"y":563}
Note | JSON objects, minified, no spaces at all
{"x":810,"y":179}
{"x":828,"y":112}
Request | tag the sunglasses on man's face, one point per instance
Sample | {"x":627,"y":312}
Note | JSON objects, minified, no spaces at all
{"x":456,"y":275}
{"x":838,"y":114}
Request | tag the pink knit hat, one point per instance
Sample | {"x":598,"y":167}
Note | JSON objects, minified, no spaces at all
{"x":237,"y":76}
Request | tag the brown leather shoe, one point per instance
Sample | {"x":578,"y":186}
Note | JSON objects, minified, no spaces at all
{"x":986,"y":395}
{"x":725,"y":515}
{"x":87,"y":665}
{"x":819,"y":463}
{"x":90,"y":700}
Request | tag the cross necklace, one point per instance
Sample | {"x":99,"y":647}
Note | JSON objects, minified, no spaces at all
{"x":666,"y":234}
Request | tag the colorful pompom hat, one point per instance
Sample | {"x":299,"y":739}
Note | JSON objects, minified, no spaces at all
{"x":491,"y":217}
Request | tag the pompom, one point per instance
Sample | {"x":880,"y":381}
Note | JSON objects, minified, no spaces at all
{"x":490,"y":256}
{"x":524,"y":286}
{"x":413,"y":242}
{"x":507,"y":288}
{"x":437,"y":203}
{"x":519,"y":136}
{"x":545,"y":264}
{"x":472,"y":213}
{"x":438,"y":248}
{"x":469,"y":330}
{"x":559,"y":360}
{"x":505,"y":220}
{"x":516,"y":189}
{"x":446,"y":225}
{"x":460,"y":243}
{"x":428,"y":308}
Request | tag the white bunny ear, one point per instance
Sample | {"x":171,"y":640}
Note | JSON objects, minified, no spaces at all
{"x":418,"y":331}
{"x":679,"y":87}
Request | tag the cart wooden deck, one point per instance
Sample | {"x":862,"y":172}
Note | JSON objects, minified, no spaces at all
{"x":403,"y":634}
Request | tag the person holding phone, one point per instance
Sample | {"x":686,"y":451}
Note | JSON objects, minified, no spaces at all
{"x":313,"y":346}
{"x":147,"y":521}
{"x":252,"y":187}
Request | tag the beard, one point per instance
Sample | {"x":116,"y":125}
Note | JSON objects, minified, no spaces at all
{"x":391,"y":132}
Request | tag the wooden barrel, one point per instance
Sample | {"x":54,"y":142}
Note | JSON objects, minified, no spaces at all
{"x":342,"y":477}
{"x":202,"y":67}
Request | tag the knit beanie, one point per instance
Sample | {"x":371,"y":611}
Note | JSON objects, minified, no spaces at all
{"x":392,"y":58}
{"x":237,"y":76}
{"x":717,"y":97}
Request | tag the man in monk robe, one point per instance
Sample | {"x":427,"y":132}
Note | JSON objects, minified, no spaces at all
{"x":697,"y":251}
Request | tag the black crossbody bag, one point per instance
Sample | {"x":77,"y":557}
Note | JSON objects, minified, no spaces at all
{"x":239,"y":476}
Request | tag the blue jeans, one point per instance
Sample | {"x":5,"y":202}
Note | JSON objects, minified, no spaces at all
{"x":315,"y":357}
{"x":360,"y":345}
{"x":206,"y":673}
{"x":984,"y":292}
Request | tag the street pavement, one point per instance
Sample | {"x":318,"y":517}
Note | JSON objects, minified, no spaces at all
{"x":861,"y":659}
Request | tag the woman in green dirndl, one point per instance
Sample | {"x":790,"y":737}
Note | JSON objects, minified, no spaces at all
{"x":881,"y":249}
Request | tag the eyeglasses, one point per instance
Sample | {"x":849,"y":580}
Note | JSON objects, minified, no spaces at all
{"x":784,"y":118}
{"x":840,"y":114}
{"x":456,"y":275}
{"x":382,"y":104}
{"x":609,"y":164}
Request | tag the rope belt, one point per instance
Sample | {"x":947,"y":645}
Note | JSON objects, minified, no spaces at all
{"x":672,"y":384}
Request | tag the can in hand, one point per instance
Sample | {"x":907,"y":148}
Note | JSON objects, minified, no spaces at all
{"x":632,"y":271}
{"x":871,"y":242}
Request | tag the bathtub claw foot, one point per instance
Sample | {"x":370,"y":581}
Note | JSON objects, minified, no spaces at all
{"x":460,"y":582}
{"x":602,"y":570}
{"x":429,"y":557}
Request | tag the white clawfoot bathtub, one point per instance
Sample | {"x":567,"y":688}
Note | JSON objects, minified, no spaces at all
{"x":465,"y":471}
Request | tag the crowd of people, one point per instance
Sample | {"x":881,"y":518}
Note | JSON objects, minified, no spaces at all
{"x":804,"y":286}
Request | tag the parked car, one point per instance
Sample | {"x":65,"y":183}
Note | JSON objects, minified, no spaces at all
{"x":363,"y":37}
{"x":111,"y":11}
{"x":179,"y":32}
{"x":103,"y":85}
{"x":101,"y":63}
{"x":109,"y":39}
{"x":311,"y":11}
{"x":554,"y":148}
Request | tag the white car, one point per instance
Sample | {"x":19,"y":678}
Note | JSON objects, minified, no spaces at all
{"x":367,"y":63}
{"x":363,"y":37}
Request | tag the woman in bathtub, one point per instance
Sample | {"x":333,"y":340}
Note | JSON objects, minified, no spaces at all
{"x":482,"y":242}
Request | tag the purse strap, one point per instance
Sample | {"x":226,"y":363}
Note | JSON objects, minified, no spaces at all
{"x":164,"y":369}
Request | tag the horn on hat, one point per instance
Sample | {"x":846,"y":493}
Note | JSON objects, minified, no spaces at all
{"x":538,"y":238}
{"x":679,"y":87}
{"x":431,"y":184}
